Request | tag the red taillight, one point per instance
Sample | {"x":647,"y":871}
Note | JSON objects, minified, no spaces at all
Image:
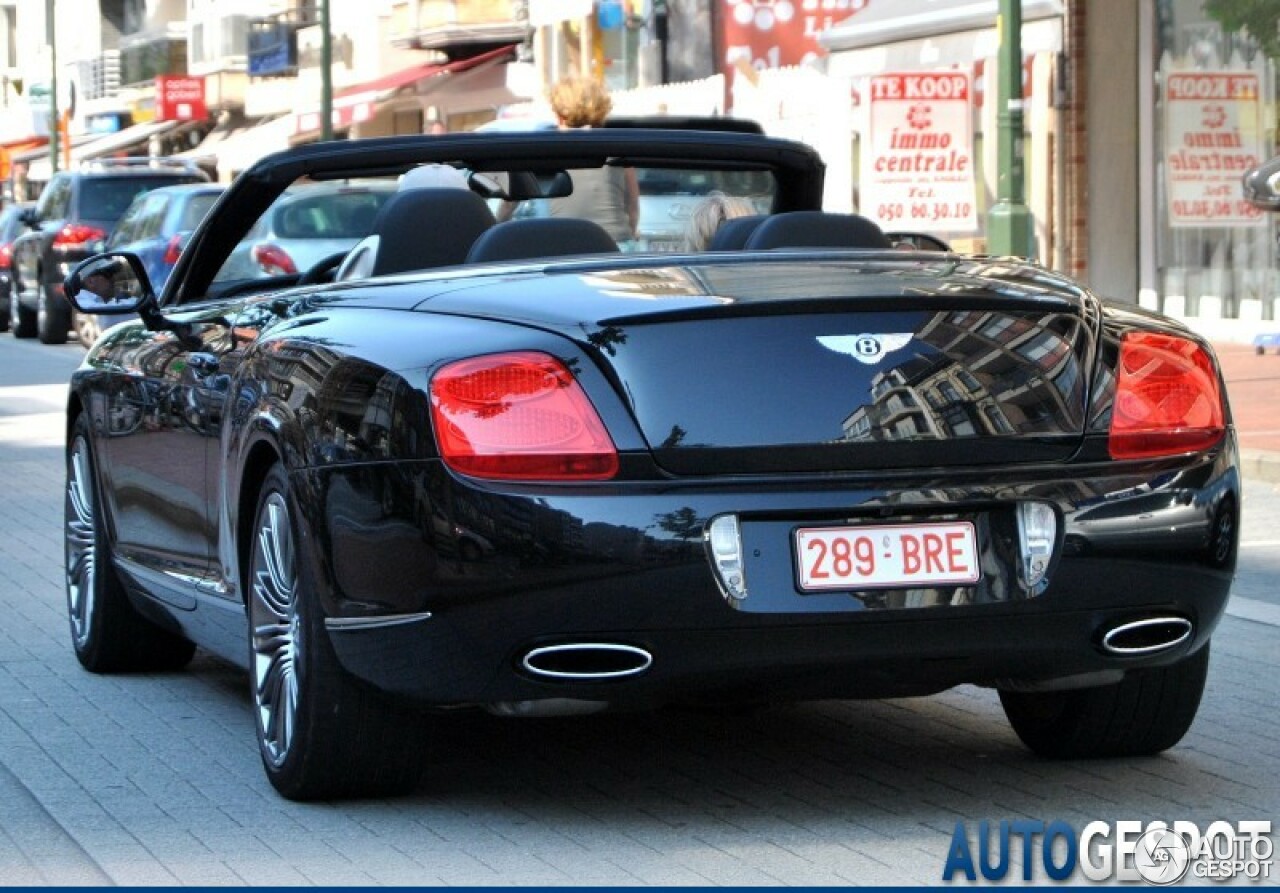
{"x":273,"y":259}
{"x":519,"y":416}
{"x":1167,"y":398}
{"x":74,"y":235}
{"x":6,"y":255}
{"x":173,"y":250}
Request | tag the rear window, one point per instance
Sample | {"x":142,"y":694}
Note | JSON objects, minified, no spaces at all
{"x":107,"y":198}
{"x":335,"y":215}
{"x":195,"y":210}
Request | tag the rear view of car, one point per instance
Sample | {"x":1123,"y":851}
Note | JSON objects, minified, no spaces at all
{"x":307,"y":225}
{"x":158,"y":224}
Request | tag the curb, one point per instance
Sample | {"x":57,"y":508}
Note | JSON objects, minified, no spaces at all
{"x":1260,"y":465}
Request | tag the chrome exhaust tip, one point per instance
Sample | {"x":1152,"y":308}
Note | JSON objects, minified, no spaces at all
{"x":1150,"y":635}
{"x":586,"y":661}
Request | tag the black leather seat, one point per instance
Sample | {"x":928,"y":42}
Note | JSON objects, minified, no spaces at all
{"x":541,"y":237}
{"x":733,"y":233}
{"x":422,"y":228}
{"x":817,"y":229}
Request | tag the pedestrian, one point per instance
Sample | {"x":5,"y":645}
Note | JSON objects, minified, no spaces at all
{"x":610,"y":196}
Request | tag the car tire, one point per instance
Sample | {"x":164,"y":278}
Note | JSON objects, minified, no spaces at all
{"x":22,"y":322}
{"x":7,"y":315}
{"x":107,"y":633}
{"x":52,"y":321}
{"x":1145,"y":713}
{"x":321,"y":733}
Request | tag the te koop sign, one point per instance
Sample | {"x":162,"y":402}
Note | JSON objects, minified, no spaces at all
{"x":1212,"y":137}
{"x":917,"y":170}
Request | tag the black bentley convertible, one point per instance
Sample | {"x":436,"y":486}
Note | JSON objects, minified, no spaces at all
{"x":518,"y":466}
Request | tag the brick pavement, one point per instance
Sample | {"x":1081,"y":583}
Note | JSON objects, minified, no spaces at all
{"x":154,"y":779}
{"x":1253,"y":387}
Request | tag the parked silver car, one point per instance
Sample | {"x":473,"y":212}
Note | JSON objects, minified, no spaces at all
{"x":305,"y":226}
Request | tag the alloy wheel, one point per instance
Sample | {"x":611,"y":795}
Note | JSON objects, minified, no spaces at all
{"x":276,"y":631}
{"x":1223,"y":533}
{"x":81,"y":540}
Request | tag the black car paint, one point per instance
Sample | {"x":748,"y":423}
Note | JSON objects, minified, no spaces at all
{"x":333,"y":381}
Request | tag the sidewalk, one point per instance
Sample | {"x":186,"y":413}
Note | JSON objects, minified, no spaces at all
{"x":1253,"y":387}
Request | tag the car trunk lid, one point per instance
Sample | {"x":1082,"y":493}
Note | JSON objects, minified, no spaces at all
{"x":742,"y":368}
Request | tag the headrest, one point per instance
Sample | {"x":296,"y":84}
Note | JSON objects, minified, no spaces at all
{"x":423,"y":228}
{"x":816,"y":229}
{"x":734,"y":232}
{"x":541,"y":237}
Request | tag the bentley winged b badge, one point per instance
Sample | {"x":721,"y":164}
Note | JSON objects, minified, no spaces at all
{"x":866,"y":348}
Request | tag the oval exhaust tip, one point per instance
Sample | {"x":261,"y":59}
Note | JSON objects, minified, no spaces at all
{"x":1147,"y":636}
{"x":587,"y":661}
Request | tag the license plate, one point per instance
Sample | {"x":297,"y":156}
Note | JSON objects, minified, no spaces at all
{"x":880,"y":556}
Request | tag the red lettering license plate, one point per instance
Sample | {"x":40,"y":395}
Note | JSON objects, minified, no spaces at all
{"x":879,"y":556}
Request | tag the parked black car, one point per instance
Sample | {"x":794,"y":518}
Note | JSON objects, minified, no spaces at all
{"x":71,"y":221}
{"x":509,"y":467}
{"x":11,"y":226}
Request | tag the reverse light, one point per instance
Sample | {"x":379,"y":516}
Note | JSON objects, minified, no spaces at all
{"x":724,"y":540}
{"x":1037,"y":532}
{"x":272,"y":259}
{"x":519,"y":416}
{"x":78,"y":235}
{"x":173,"y":250}
{"x":1167,"y":398}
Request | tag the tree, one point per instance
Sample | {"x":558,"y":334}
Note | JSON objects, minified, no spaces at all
{"x":1261,"y":18}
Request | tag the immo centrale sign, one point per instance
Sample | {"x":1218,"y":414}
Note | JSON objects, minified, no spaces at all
{"x":917,"y":169}
{"x":1212,"y":127}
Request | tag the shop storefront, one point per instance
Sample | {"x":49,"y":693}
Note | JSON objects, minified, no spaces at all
{"x":1209,"y":105}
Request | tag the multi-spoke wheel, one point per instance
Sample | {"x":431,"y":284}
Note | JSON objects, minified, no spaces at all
{"x":322,"y":734}
{"x":107,"y":633}
{"x":1222,"y":534}
{"x":273,"y":616}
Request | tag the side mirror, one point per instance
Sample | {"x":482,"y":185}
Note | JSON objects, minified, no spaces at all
{"x":1262,"y":185}
{"x":29,"y":217}
{"x":115,"y":282}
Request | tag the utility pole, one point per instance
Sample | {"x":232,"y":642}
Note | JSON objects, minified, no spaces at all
{"x":1009,"y":224}
{"x":55,"y":121}
{"x":326,"y":73}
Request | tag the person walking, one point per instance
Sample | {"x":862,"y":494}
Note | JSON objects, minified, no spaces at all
{"x":610,"y":196}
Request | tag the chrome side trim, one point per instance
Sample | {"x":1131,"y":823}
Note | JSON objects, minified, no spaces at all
{"x":357,"y":624}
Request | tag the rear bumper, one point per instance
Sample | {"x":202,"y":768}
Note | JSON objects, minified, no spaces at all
{"x":414,"y":612}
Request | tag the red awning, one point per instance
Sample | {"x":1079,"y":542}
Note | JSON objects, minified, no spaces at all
{"x":354,"y":104}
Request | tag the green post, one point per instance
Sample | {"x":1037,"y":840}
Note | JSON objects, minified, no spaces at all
{"x":326,"y":73}
{"x":51,"y":34}
{"x":1009,"y":224}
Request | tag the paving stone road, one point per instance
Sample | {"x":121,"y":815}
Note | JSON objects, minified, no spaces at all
{"x":155,"y":779}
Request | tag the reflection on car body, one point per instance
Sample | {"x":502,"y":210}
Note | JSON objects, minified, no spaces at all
{"x":513,"y":468}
